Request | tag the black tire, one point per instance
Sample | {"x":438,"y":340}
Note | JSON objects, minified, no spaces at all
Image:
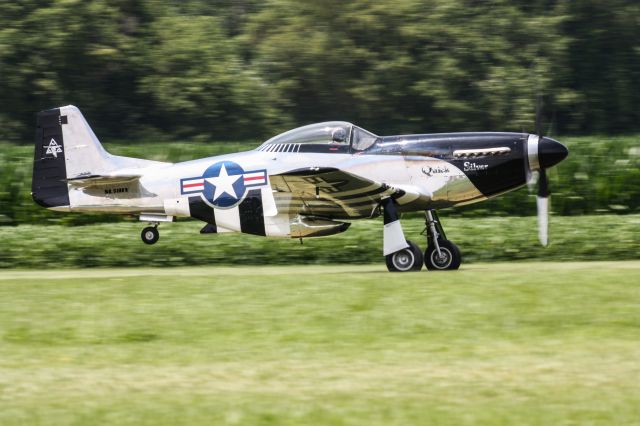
{"x":418,"y":254}
{"x":450,"y":260}
{"x":406,"y":260}
{"x":150,"y":235}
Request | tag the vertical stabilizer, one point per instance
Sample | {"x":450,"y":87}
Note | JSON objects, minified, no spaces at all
{"x":66,"y":149}
{"x":84,"y":154}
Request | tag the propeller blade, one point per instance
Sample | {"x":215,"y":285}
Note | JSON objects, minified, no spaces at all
{"x":543,"y":208}
{"x":543,"y":220}
{"x":543,"y":184}
{"x":539,"y":104}
{"x":532,"y":180}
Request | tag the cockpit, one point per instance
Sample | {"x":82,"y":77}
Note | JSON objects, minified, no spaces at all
{"x":327,"y":137}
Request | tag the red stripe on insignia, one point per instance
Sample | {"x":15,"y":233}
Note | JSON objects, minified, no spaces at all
{"x":254,"y":178}
{"x":191,"y":185}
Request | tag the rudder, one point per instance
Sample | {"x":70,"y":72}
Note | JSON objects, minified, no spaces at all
{"x":49,"y":186}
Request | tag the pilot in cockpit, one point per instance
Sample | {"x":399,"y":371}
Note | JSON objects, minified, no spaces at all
{"x":338,"y":135}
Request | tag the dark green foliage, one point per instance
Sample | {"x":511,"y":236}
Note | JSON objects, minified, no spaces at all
{"x":236,"y":69}
{"x":81,"y":52}
{"x":409,"y":67}
{"x":604,"y":65}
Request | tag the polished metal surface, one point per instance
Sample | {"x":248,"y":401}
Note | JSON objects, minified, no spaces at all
{"x":532,"y":152}
{"x":311,"y":177}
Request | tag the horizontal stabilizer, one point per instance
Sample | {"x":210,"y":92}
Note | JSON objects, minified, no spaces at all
{"x":97,"y":180}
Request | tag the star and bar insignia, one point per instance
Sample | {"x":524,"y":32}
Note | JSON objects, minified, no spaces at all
{"x":224,"y":184}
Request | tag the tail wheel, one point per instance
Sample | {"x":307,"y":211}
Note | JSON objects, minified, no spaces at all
{"x":448,"y":259}
{"x":405,"y":260}
{"x":150,"y":235}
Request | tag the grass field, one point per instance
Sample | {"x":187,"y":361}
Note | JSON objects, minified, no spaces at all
{"x":510,"y":343}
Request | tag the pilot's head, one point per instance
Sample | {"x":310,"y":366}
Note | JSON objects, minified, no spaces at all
{"x":338,"y":135}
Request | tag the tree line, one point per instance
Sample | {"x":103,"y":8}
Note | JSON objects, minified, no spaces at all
{"x":246,"y":69}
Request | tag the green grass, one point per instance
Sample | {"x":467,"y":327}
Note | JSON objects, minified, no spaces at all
{"x":606,"y":237}
{"x":513,"y":343}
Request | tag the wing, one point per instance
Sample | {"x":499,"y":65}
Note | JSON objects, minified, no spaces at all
{"x":329,"y":192}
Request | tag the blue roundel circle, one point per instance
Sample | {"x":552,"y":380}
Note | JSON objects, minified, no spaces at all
{"x":224,"y":184}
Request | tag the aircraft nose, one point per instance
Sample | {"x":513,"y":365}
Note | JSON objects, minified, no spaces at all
{"x":551,"y":152}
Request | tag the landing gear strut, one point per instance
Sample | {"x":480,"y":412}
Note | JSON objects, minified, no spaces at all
{"x":401,"y":255}
{"x":150,"y":234}
{"x":441,"y":254}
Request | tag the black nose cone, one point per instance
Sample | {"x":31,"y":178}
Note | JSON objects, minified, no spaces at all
{"x":551,"y":152}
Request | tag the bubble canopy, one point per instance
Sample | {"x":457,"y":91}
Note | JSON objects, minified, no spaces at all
{"x":329,"y":136}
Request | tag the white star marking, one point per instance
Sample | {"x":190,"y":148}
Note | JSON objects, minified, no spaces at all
{"x":224,"y":183}
{"x":53,"y":148}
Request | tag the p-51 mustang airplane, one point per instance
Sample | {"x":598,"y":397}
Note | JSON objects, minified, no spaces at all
{"x":307,"y":182}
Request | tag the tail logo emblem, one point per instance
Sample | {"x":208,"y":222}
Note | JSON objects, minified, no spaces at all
{"x":53,"y":148}
{"x":224,"y":184}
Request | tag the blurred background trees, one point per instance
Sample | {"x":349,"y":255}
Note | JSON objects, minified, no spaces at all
{"x":240,"y":69}
{"x":244,"y":70}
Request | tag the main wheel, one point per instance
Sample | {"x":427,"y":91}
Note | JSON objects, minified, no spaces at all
{"x":150,"y":235}
{"x":405,"y":260}
{"x":448,"y":259}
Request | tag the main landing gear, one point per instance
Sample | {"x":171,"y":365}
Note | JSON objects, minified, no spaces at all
{"x":150,"y":234}
{"x":441,"y":254}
